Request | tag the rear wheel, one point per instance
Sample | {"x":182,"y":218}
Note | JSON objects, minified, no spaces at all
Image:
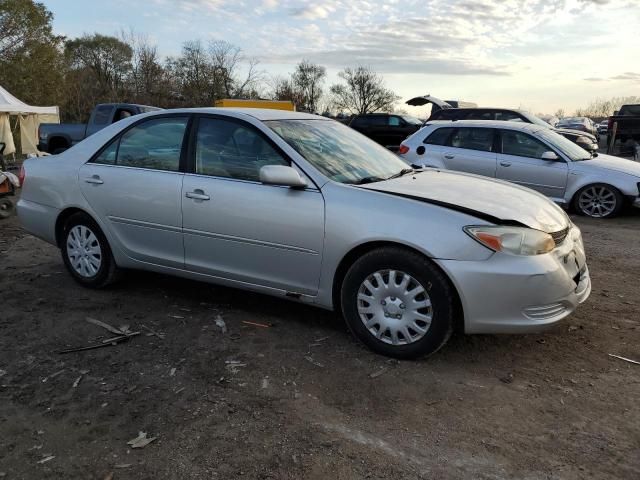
{"x":598,"y":201}
{"x":398,"y":303}
{"x":7,"y":208}
{"x":86,"y":253}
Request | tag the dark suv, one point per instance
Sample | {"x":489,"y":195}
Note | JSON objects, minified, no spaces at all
{"x":387,"y":129}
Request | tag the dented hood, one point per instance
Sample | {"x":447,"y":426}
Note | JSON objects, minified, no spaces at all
{"x":492,"y":200}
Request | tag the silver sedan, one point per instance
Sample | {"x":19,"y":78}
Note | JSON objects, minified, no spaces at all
{"x":595,"y":185}
{"x":302,"y":207}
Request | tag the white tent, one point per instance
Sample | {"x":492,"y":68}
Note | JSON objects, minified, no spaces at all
{"x":30,"y":119}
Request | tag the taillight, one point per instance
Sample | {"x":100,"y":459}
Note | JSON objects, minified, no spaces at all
{"x":22,"y":175}
{"x":403,"y":149}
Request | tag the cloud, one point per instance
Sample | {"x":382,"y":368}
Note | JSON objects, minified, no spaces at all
{"x":627,"y":76}
{"x":310,"y":12}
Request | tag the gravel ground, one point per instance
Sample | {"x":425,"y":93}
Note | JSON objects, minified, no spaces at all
{"x":299,"y":398}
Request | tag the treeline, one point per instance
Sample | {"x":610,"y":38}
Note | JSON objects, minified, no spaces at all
{"x":600,"y":108}
{"x":42,"y":68}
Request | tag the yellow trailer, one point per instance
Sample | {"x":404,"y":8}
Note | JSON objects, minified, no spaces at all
{"x":272,"y":104}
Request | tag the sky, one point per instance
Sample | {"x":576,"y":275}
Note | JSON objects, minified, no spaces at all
{"x":541,"y":55}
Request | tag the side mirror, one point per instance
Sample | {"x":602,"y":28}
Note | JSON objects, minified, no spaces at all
{"x":550,"y":156}
{"x":281,"y":175}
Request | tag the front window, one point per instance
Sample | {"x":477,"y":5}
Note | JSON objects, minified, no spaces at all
{"x":574,"y":152}
{"x":337,"y":151}
{"x":232,"y":150}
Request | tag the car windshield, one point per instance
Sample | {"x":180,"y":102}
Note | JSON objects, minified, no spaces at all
{"x":570,"y":149}
{"x":537,"y":120}
{"x":412,"y":120}
{"x":339,"y":152}
{"x":571,"y":120}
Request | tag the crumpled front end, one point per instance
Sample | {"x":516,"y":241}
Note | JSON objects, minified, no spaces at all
{"x":520,"y":294}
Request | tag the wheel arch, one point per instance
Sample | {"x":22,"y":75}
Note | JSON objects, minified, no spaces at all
{"x":358,"y":251}
{"x":63,"y":216}
{"x":579,"y":189}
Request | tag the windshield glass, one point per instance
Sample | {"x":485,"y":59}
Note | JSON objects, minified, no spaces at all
{"x":337,"y":151}
{"x":533,"y":119}
{"x":566,"y":146}
{"x":412,"y":120}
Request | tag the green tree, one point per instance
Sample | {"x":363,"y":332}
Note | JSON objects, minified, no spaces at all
{"x":31,"y":61}
{"x":107,"y":58}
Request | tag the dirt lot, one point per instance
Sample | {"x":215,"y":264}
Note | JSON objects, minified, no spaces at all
{"x":306,"y":401}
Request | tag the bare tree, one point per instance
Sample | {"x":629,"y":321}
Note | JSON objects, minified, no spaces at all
{"x":148,"y":83}
{"x":307,"y":80}
{"x":363,"y":92}
{"x":226,"y":63}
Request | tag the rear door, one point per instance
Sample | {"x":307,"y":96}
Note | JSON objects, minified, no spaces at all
{"x":134,"y":185}
{"x":471,"y":149}
{"x":237,"y":228}
{"x":519,"y":161}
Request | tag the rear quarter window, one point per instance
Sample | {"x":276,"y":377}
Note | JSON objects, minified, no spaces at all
{"x":438,"y":136}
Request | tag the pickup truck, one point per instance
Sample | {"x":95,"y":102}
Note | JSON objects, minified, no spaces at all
{"x":628,"y":120}
{"x":55,"y":138}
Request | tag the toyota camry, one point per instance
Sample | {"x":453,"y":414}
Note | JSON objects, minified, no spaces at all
{"x":305,"y":208}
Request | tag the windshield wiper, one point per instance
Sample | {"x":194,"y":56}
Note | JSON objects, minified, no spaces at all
{"x":364,"y":180}
{"x":401,"y":173}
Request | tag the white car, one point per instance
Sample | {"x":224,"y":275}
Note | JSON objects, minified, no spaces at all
{"x":596,"y":185}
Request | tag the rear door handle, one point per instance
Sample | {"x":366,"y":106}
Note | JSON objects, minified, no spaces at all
{"x":449,"y":156}
{"x":198,"y":195}
{"x":95,"y":179}
{"x":505,"y":164}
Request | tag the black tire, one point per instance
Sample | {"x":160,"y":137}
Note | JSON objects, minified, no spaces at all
{"x":438,"y":287}
{"x":7,"y":207}
{"x":108,"y":272}
{"x":614,"y":193}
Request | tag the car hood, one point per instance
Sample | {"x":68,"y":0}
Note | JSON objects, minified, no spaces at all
{"x":492,"y":200}
{"x":610,"y":162}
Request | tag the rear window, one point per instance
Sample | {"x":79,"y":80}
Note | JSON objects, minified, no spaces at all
{"x":630,"y":110}
{"x":473,"y":139}
{"x":438,"y":136}
{"x":102,"y":115}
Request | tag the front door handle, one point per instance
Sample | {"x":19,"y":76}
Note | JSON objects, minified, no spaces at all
{"x":95,"y":179}
{"x":449,"y":156}
{"x":505,"y":164}
{"x":197,"y":195}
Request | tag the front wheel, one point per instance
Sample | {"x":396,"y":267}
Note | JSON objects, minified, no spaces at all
{"x":86,"y":253}
{"x":598,"y":201}
{"x":398,"y":303}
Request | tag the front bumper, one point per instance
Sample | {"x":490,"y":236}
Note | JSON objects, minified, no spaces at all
{"x":521,"y":294}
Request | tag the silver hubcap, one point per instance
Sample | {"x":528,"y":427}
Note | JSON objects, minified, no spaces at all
{"x":394,"y":307}
{"x":597,"y":201}
{"x":83,"y":250}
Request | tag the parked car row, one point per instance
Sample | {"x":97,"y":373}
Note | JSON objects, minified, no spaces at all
{"x":305,"y":208}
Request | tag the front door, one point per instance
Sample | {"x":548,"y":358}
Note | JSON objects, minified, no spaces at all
{"x":519,"y":161}
{"x":238,"y":228}
{"x":134,"y":185}
{"x":471,"y":149}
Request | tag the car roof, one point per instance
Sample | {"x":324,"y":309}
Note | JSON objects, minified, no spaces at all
{"x":529,"y":127}
{"x":474,"y":109}
{"x":257,"y":113}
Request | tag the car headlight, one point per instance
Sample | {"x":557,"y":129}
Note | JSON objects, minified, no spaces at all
{"x":513,"y":240}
